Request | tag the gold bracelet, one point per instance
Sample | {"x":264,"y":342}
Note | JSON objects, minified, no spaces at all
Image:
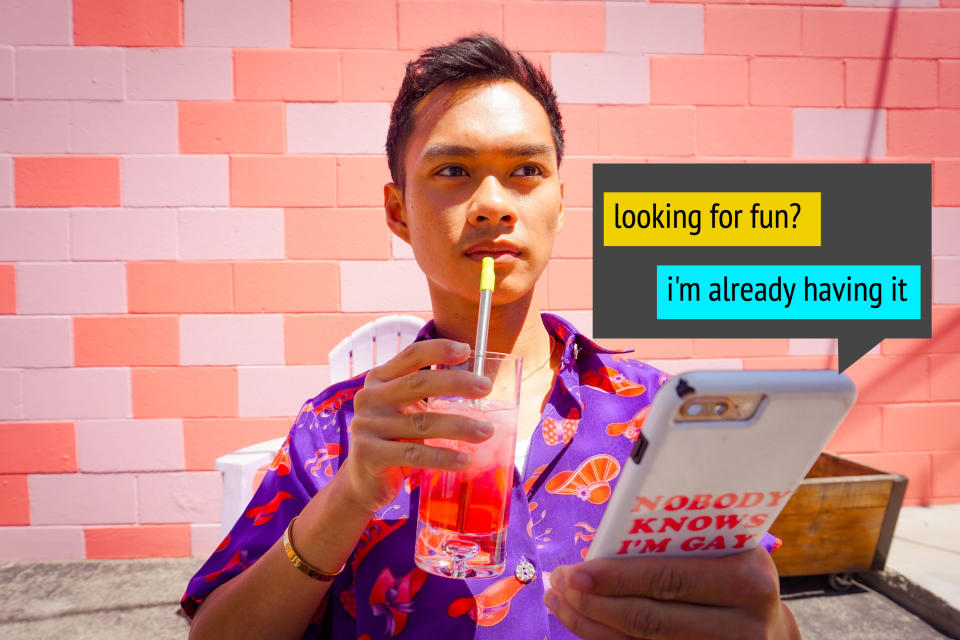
{"x":302,"y":564}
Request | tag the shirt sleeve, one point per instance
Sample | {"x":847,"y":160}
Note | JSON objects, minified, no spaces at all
{"x":308,"y":459}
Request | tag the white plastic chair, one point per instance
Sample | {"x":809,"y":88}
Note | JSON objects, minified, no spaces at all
{"x":374,"y":343}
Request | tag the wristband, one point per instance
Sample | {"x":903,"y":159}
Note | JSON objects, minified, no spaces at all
{"x":301,"y":564}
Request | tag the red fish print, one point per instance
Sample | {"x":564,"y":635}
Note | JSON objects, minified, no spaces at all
{"x":491,"y":606}
{"x":612,"y":381}
{"x":533,"y":478}
{"x":239,"y":559}
{"x":281,"y":462}
{"x":375,"y":532}
{"x":223,"y":545}
{"x":591,"y":480}
{"x":332,"y":404}
{"x":394,"y":598}
{"x":264,"y":513}
{"x":556,"y":431}
{"x":586,"y":537}
{"x":322,"y":460}
{"x":631,"y":428}
{"x":348,"y":599}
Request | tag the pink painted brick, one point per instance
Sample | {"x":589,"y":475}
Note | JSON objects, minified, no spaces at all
{"x":36,"y":21}
{"x":400,"y":250}
{"x":946,"y":231}
{"x":924,"y":133}
{"x":909,"y":83}
{"x":123,"y":127}
{"x":928,"y":34}
{"x":41,"y":544}
{"x":35,"y":342}
{"x":360,"y":180}
{"x":699,"y":80}
{"x":69,"y":73}
{"x":392,"y":285}
{"x":422,"y":24}
{"x":278,"y":391}
{"x":6,"y":181}
{"x":132,"y":234}
{"x":179,"y":497}
{"x":88,"y":392}
{"x":675,"y":366}
{"x":204,"y":538}
{"x":11,"y":395}
{"x":71,"y":288}
{"x":946,"y":280}
{"x":82,"y":498}
{"x":345,"y":24}
{"x":654,"y":28}
{"x":344,"y":127}
{"x":184,"y":181}
{"x":6,"y":72}
{"x":231,"y":339}
{"x":752,"y":30}
{"x":647,"y":130}
{"x":236,"y":23}
{"x":854,"y":33}
{"x":554,"y":26}
{"x":796,"y":82}
{"x":819,"y":347}
{"x":228,"y":234}
{"x":34,"y":234}
{"x":179,"y":74}
{"x":129,"y":445}
{"x":34,"y":127}
{"x":838,"y":133}
{"x":949,"y":89}
{"x":601,"y":78}
{"x":892,"y":3}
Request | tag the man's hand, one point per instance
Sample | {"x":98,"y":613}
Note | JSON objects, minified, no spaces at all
{"x":735,"y":597}
{"x":390,"y":423}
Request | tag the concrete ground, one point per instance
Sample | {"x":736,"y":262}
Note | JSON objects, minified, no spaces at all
{"x":123,"y":599}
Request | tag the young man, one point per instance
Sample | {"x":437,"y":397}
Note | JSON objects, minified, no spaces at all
{"x":474,"y":149}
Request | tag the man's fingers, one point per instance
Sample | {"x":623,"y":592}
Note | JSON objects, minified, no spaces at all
{"x":576,"y":622}
{"x":389,"y":454}
{"x":421,"y":354}
{"x":658,"y":620}
{"x":727,"y":581}
{"x":410,"y":387}
{"x":420,"y":425}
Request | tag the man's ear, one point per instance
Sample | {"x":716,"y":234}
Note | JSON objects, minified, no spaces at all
{"x":563,"y":212}
{"x":396,"y":213}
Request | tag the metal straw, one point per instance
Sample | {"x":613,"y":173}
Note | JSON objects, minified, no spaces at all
{"x":487,"y":278}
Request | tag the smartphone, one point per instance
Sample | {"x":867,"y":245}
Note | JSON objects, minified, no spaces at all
{"x":718,"y":457}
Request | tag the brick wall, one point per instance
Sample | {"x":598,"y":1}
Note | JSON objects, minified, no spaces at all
{"x":191,"y":216}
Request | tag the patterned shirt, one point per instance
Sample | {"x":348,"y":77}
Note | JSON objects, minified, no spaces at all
{"x":589,"y":424}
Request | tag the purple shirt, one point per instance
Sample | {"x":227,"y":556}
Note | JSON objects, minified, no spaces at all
{"x":588,"y":428}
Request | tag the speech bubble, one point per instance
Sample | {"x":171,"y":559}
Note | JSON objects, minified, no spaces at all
{"x":763,"y":251}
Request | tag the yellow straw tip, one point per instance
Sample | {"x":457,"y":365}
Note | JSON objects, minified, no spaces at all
{"x":487,"y":276}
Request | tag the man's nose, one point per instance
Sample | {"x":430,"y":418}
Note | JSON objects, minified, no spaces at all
{"x":492,"y":203}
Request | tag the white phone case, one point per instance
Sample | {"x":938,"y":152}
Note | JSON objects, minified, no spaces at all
{"x":714,"y":488}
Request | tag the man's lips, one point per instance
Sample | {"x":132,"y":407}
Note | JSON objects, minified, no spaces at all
{"x":499,"y":252}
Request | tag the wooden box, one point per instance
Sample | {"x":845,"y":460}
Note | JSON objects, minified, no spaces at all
{"x":839,"y":520}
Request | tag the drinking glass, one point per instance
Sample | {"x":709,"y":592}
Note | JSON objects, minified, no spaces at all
{"x":463,"y":517}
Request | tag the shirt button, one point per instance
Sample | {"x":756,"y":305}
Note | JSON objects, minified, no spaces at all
{"x":525,"y":571}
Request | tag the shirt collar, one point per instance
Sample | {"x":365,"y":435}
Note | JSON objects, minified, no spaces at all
{"x":575,"y":346}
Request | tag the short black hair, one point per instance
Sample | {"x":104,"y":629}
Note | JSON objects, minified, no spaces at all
{"x":475,"y":57}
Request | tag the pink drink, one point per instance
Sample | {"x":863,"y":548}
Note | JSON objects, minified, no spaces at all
{"x":464,"y":514}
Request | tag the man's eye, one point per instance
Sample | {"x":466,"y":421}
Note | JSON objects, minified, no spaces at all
{"x":453,"y":171}
{"x":528,"y":171}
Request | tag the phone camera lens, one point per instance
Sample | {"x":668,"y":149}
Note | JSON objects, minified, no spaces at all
{"x":720,"y":408}
{"x":694,"y":409}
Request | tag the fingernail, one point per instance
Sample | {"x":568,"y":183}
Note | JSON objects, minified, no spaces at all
{"x":550,"y":598}
{"x":558,"y":579}
{"x":463,"y":458}
{"x":580,"y":580}
{"x":463,"y":348}
{"x":485,"y":429}
{"x":483,"y":383}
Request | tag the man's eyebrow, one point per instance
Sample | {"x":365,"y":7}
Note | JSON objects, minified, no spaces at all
{"x":446,"y":150}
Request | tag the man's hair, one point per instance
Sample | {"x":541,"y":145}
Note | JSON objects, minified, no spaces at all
{"x":477,"y":57}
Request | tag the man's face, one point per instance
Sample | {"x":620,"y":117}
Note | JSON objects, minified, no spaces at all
{"x":481,"y":180}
